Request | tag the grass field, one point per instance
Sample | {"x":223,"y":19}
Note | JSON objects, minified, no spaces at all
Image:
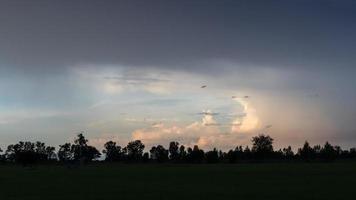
{"x":244,"y":181}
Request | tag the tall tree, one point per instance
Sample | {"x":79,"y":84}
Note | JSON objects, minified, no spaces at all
{"x":328,"y":152}
{"x":135,"y":150}
{"x":288,"y":152}
{"x":182,"y":153}
{"x":174,"y":151}
{"x":262,"y":146}
{"x":112,"y":152}
{"x":65,"y":153}
{"x":212,"y":156}
{"x":159,"y":153}
{"x":306,"y":152}
{"x":82,"y":151}
{"x":196,"y":155}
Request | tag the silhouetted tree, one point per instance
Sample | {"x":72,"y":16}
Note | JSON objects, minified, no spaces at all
{"x":40,"y":149}
{"x":50,"y":153}
{"x":135,"y":150}
{"x":196,"y":155}
{"x":112,"y":152}
{"x":306,"y":153}
{"x":79,"y":146}
{"x":82,"y":151}
{"x":352,"y":153}
{"x":231,"y":156}
{"x":145,"y":157}
{"x":247,"y":153}
{"x":262,"y":146}
{"x":27,"y":153}
{"x":10,"y":153}
{"x":328,"y":152}
{"x":159,"y":153}
{"x":65,"y":153}
{"x":288,"y":152}
{"x":212,"y":156}
{"x":174,"y":151}
{"x":91,"y":153}
{"x":339,"y":151}
{"x":182,"y":153}
{"x":239,"y":153}
{"x":189,"y":156}
{"x":316,"y":152}
{"x":2,"y":157}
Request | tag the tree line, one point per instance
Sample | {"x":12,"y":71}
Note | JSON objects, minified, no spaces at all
{"x":80,"y":152}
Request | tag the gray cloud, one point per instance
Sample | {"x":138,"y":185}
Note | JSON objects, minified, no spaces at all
{"x":134,"y":80}
{"x":279,"y":52}
{"x":47,"y":35}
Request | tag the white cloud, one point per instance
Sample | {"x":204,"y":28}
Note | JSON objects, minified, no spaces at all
{"x":100,"y":140}
{"x":197,"y":133}
{"x":250,"y":121}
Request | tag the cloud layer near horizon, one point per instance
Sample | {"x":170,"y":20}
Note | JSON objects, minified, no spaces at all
{"x":207,"y":133}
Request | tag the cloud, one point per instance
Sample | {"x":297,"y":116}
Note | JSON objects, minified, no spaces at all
{"x":250,"y":121}
{"x":4,"y":121}
{"x":199,"y":133}
{"x":100,"y":140}
{"x":116,"y":79}
{"x":135,"y":79}
{"x":28,"y":114}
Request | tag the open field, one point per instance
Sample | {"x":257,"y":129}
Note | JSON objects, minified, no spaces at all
{"x":244,"y":181}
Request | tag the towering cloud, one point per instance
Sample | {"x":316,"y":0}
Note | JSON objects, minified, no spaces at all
{"x":207,"y":133}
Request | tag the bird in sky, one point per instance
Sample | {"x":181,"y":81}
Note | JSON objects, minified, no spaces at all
{"x":204,"y":86}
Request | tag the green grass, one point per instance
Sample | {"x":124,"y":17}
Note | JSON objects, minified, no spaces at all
{"x":244,"y":181}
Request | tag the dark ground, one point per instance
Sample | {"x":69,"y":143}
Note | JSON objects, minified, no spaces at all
{"x":239,"y":181}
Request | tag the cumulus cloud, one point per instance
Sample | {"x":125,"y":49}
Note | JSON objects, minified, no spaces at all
{"x":199,"y":133}
{"x":100,"y":140}
{"x":250,"y":121}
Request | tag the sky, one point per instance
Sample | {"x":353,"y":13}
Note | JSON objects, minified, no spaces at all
{"x":126,"y":70}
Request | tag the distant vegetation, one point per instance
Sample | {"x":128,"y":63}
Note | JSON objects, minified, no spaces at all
{"x":79,"y":152}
